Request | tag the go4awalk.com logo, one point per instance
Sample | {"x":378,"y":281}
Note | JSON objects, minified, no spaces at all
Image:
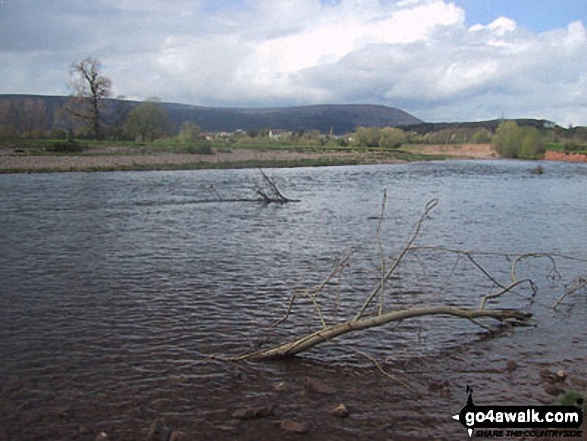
{"x":521,"y":421}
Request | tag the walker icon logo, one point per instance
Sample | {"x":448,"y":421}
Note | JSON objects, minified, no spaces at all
{"x":552,"y":421}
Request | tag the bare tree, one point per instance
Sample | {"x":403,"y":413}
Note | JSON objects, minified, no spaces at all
{"x":89,"y":89}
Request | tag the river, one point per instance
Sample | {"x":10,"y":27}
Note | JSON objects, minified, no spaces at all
{"x":117,"y":287}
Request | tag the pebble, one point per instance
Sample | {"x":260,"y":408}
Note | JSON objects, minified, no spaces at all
{"x":293,"y":426}
{"x":511,"y":366}
{"x":158,"y":431}
{"x":340,"y":411}
{"x":553,"y":389}
{"x":251,"y":413}
{"x":178,"y":435}
{"x":315,"y":385}
{"x":578,"y":381}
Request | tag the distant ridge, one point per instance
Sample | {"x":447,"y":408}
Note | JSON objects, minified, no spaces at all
{"x":340,"y":118}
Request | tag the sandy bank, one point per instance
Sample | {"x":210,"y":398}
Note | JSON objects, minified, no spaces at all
{"x":551,"y":155}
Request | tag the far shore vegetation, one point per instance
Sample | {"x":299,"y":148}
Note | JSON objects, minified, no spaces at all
{"x":147,"y":132}
{"x":81,"y":128}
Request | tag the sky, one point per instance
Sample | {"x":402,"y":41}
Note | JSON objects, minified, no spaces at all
{"x":440,"y":60}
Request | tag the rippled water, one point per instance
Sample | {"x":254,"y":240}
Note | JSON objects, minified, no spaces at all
{"x":116,"y":288}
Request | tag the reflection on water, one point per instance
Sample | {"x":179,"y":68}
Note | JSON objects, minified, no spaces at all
{"x":116,"y":287}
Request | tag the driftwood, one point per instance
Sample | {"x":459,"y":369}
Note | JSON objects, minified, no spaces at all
{"x":267,"y":196}
{"x":276,"y":197}
{"x":367,"y":318}
{"x":306,"y":342}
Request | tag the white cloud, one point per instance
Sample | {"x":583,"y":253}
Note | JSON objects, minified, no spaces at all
{"x":500,"y":26}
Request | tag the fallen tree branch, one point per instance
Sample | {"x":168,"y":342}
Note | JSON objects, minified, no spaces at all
{"x":429,"y":207}
{"x":368,"y":317}
{"x":578,"y":283}
{"x":277,"y":197}
{"x":505,"y":290}
{"x":308,"y":341}
{"x":344,"y":261}
{"x":380,"y":246}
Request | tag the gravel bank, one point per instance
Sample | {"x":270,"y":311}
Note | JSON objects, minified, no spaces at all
{"x":23,"y":162}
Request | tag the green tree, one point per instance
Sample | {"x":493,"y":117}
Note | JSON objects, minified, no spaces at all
{"x":391,"y":137}
{"x":513,"y":141}
{"x":147,"y":122}
{"x":188,"y":132}
{"x":532,"y":144}
{"x":367,"y":136}
{"x":481,"y":136}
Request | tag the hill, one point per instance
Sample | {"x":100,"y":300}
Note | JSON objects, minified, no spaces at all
{"x":340,"y":119}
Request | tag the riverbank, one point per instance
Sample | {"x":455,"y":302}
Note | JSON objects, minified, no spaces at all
{"x":552,"y":155}
{"x":121,"y":158}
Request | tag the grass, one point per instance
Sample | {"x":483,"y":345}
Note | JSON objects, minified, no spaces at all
{"x":102,"y":148}
{"x":572,"y":398}
{"x":560,"y":147}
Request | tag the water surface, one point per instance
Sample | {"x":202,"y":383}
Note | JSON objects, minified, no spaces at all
{"x":117,"y":287}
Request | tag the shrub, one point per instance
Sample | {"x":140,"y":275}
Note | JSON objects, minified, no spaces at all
{"x":481,"y":136}
{"x":570,"y":145}
{"x":67,"y":146}
{"x":392,"y":137}
{"x":188,"y":132}
{"x":57,"y":133}
{"x":367,"y":137}
{"x":200,"y":147}
{"x":513,"y":141}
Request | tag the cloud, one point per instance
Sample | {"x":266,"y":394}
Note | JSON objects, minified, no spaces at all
{"x":418,"y":55}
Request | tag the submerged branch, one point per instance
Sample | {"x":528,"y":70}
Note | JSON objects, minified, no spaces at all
{"x":363,"y":320}
{"x":429,"y":207}
{"x":277,"y":196}
{"x":578,"y":283}
{"x":308,"y":341}
{"x":505,"y":290}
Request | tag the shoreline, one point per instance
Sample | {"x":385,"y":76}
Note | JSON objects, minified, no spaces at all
{"x":552,"y":155}
{"x":116,"y":160}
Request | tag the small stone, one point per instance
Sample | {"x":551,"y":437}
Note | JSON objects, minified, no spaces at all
{"x":553,"y":389}
{"x":178,"y":435}
{"x":158,"y":431}
{"x":545,"y":374}
{"x":340,"y":411}
{"x":102,"y":436}
{"x":578,"y":381}
{"x":293,"y":426}
{"x":511,"y":366}
{"x":281,"y":387}
{"x":552,"y":377}
{"x":315,"y":385}
{"x":253,"y":413}
{"x":544,"y":399}
{"x":436,"y":385}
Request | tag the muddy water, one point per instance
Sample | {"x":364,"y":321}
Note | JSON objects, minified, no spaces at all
{"x":117,"y":287}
